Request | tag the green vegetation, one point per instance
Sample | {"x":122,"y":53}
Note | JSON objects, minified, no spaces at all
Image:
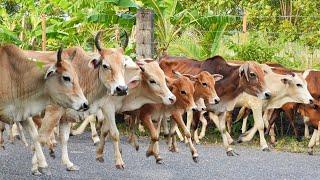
{"x":283,"y":31}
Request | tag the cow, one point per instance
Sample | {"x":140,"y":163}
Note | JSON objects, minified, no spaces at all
{"x":307,"y":111}
{"x":26,"y":89}
{"x":248,"y":77}
{"x":99,"y":75}
{"x":285,"y":88}
{"x":147,"y":86}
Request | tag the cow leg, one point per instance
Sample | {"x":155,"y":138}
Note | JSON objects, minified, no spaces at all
{"x":291,"y":117}
{"x":115,"y":136}
{"x":41,"y":166}
{"x":21,"y":133}
{"x":103,"y":134}
{"x":141,"y":128}
{"x":306,"y":127}
{"x":219,"y":121}
{"x":172,"y":138}
{"x":312,"y":142}
{"x":165,"y":126}
{"x":229,"y":121}
{"x":179,"y":134}
{"x":52,"y":118}
{"x":64,"y":137}
{"x":177,"y":117}
{"x":94,"y":133}
{"x":10,"y":133}
{"x":244,"y":124}
{"x":204,"y":123}
{"x":82,"y":126}
{"x":133,"y":123}
{"x":146,"y":119}
{"x":156,"y":144}
{"x":189,"y":121}
{"x":2,"y":127}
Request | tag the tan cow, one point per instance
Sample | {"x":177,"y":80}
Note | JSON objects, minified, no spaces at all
{"x":285,"y":88}
{"x":26,"y":89}
{"x":147,"y":86}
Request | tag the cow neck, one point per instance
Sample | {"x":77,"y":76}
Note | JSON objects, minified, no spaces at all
{"x":90,"y":82}
{"x":229,"y":87}
{"x":137,"y":97}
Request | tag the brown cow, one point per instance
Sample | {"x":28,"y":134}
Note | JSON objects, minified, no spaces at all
{"x":183,"y":89}
{"x":248,"y":77}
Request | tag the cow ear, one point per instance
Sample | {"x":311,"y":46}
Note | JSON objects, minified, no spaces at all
{"x":134,"y":82}
{"x":73,"y":55}
{"x":94,"y":63}
{"x":217,"y":77}
{"x":176,"y":74}
{"x":50,"y":72}
{"x":286,"y":81}
{"x":191,"y":77}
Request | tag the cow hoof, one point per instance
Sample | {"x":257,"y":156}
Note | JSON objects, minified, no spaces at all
{"x":36,"y":172}
{"x":137,"y":148}
{"x":310,"y":153}
{"x":195,"y":159}
{"x":52,"y":154}
{"x":166,"y":136}
{"x":148,"y":154}
{"x":44,"y":171}
{"x":3,"y":147}
{"x":266,"y":149}
{"x":120,"y":166}
{"x":71,"y":134}
{"x":232,"y":153}
{"x":100,"y":159}
{"x":95,"y":143}
{"x":73,"y":168}
{"x":159,"y":161}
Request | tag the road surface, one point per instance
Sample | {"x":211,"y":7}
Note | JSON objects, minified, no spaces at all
{"x":15,"y":163}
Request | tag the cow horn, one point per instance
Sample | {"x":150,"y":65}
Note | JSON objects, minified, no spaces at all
{"x":59,"y":54}
{"x":244,"y":69}
{"x":97,"y":40}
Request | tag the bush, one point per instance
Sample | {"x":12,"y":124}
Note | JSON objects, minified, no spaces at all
{"x":256,"y":48}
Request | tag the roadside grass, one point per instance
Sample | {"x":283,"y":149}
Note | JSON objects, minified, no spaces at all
{"x":213,"y":137}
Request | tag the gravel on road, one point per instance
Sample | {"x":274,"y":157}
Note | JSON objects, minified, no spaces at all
{"x":252,"y":163}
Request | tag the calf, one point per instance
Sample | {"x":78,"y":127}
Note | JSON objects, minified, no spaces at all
{"x":26,"y":89}
{"x":248,"y":77}
{"x":183,"y":89}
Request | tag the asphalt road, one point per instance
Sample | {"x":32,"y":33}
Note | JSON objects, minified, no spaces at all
{"x":15,"y":163}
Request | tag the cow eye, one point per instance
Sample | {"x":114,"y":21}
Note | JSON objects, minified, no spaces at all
{"x":204,"y":84}
{"x":299,"y":85}
{"x":152,"y":81}
{"x":107,"y":67}
{"x":66,"y":78}
{"x":252,"y":75}
{"x":183,"y":92}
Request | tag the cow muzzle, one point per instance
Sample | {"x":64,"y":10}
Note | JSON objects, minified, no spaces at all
{"x":84,"y":107}
{"x":121,"y":90}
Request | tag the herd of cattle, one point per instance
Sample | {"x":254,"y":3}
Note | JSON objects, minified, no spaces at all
{"x":73,"y":84}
